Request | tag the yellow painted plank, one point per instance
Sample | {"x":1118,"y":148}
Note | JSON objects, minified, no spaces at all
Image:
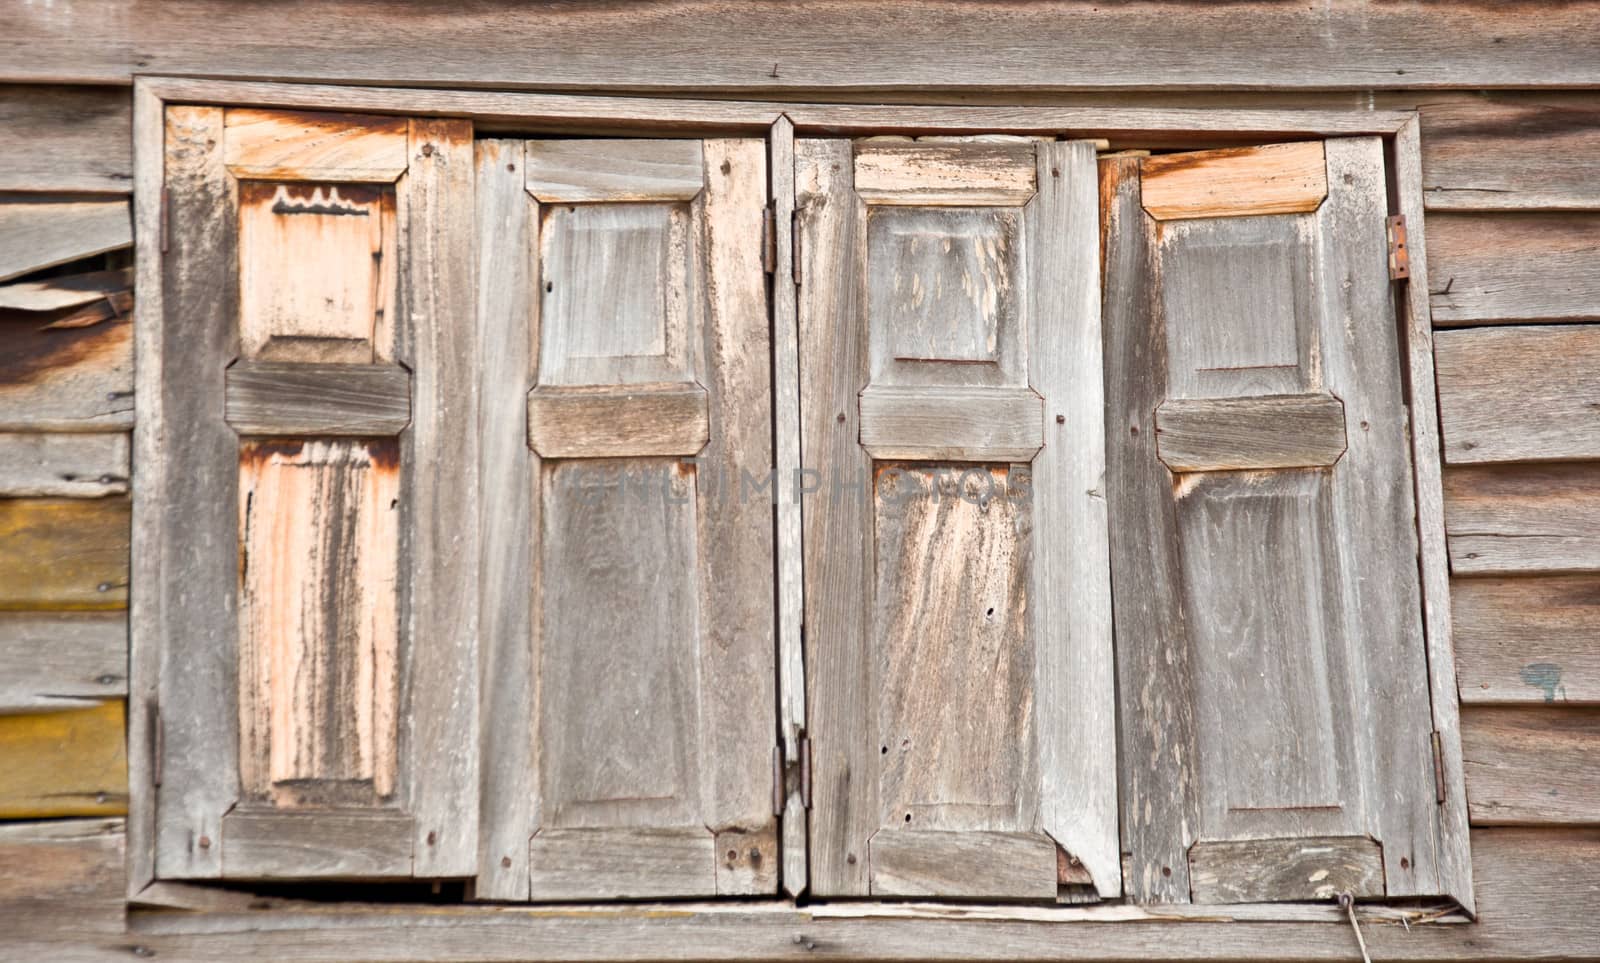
{"x":64,"y":553}
{"x":72,"y":763}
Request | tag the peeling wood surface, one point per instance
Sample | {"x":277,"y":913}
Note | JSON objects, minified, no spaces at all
{"x":1236,"y":181}
{"x":70,"y":465}
{"x":1528,"y":640}
{"x":72,"y":291}
{"x":40,"y":234}
{"x":67,"y":378}
{"x":1511,"y":151}
{"x":78,"y":139}
{"x":64,"y":553}
{"x":1531,"y":765}
{"x":1523,"y":519}
{"x":1520,"y":394}
{"x":1523,"y":266}
{"x":62,"y":660}
{"x":67,"y":763}
{"x":277,"y":145}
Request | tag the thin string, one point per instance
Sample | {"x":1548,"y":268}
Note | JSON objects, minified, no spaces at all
{"x":1347,"y":902}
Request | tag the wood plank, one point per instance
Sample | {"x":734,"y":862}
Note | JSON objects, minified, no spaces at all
{"x":1513,"y":267}
{"x":62,"y":661}
{"x":68,"y":465}
{"x":1531,"y":764}
{"x":1519,"y":394}
{"x":1523,"y":519}
{"x":910,"y":862}
{"x":927,"y":45}
{"x":66,"y":378}
{"x":613,"y":863}
{"x":38,"y":234}
{"x":587,"y":171}
{"x":72,"y":291}
{"x":610,"y":421}
{"x":1266,"y":870}
{"x":61,"y":879}
{"x":68,"y":763}
{"x":951,"y":423}
{"x":316,"y":845}
{"x":1511,"y":150}
{"x":1236,"y":181}
{"x":78,"y":139}
{"x":340,"y":400}
{"x":1527,"y":640}
{"x":945,"y":174}
{"x":279,"y":145}
{"x":64,"y":553}
{"x":1226,"y":434}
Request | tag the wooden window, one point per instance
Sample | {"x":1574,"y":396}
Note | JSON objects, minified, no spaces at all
{"x":1276,"y":734}
{"x":628,"y":549}
{"x":957,"y":604}
{"x":318,"y":498}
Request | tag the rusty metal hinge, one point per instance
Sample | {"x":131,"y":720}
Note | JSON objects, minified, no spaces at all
{"x":1399,"y":257}
{"x":769,"y":239}
{"x":794,"y":244}
{"x":164,"y":204}
{"x":1438,"y":768}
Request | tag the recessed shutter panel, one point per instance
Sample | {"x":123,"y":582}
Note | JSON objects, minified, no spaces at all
{"x":316,"y":704}
{"x":957,"y":637}
{"x":1274,"y":696}
{"x":628,"y":546}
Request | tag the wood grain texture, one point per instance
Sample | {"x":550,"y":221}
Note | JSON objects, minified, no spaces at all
{"x":71,"y":291}
{"x":337,"y":400}
{"x":945,"y":174}
{"x":61,"y":880}
{"x":78,"y":136}
{"x":622,"y":864}
{"x":64,"y":553}
{"x":1226,"y":434}
{"x":1523,"y":519}
{"x":914,"y":862}
{"x":1519,"y":394}
{"x":1236,"y":181}
{"x":1531,"y":765}
{"x":1513,"y":267}
{"x":72,"y":465}
{"x":316,"y":845}
{"x":1264,"y":870}
{"x":62,"y":661}
{"x":278,"y":145}
{"x":40,"y":234}
{"x":77,"y":378}
{"x":1527,"y":640}
{"x":606,"y":421}
{"x":586,"y":171}
{"x":951,"y":423}
{"x":1511,"y":150}
{"x":68,"y":763}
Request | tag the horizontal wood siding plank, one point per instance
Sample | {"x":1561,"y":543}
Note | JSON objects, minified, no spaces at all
{"x":1520,"y":394}
{"x":1527,"y":640}
{"x":79,"y":139}
{"x":40,"y":234}
{"x":288,"y":398}
{"x":64,"y":553}
{"x":1513,"y":267}
{"x":69,"y":291}
{"x":68,"y":465}
{"x":1523,"y":519}
{"x":60,"y":879}
{"x":67,"y":378}
{"x":699,"y":44}
{"x":62,"y":660}
{"x":1511,"y":151}
{"x":1531,"y":764}
{"x":68,"y":763}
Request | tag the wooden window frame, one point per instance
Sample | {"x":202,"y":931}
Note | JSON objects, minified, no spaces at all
{"x":709,"y":931}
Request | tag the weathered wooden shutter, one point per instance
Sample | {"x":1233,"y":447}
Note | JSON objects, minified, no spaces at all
{"x":317,"y":491}
{"x":1276,"y":742}
{"x":628,"y":558}
{"x":958,"y":636}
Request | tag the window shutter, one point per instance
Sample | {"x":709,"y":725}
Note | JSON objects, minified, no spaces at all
{"x":1274,"y":693}
{"x":958,"y":636}
{"x":317,"y":496}
{"x":628,"y":549}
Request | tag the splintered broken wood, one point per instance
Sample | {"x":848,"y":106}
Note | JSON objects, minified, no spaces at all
{"x":69,"y":370}
{"x":1236,"y":181}
{"x":40,"y":234}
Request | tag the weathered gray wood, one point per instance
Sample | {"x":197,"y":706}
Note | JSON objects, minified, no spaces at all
{"x":945,"y":174}
{"x":1519,"y":394}
{"x":1263,"y":870}
{"x":1527,"y":640}
{"x":1511,"y":150}
{"x":316,"y":845}
{"x":1236,"y":182}
{"x":1531,"y":765}
{"x":82,"y":465}
{"x":53,"y":294}
{"x":40,"y":234}
{"x":615,"y":863}
{"x":77,"y":378}
{"x":62,"y":660}
{"x":78,"y":139}
{"x":62,"y":882}
{"x":508,"y":333}
{"x":1275,"y":431}
{"x":1523,"y":519}
{"x":909,"y":862}
{"x":951,"y":423}
{"x":1513,"y":267}
{"x":605,"y":421}
{"x":439,"y":544}
{"x":293,"y":399}
{"x":585,"y":171}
